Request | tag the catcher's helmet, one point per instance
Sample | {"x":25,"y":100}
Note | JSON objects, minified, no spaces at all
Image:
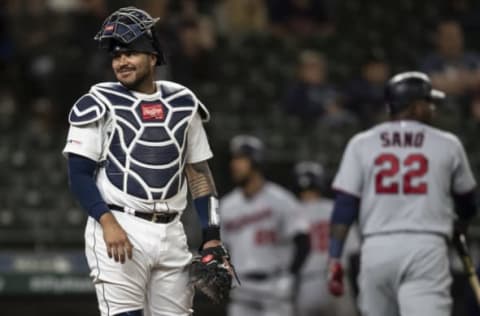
{"x":130,"y":29}
{"x":406,"y":87}
{"x":248,"y":146}
{"x":309,"y":175}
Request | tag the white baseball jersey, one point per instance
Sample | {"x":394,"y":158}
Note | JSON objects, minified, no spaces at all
{"x":404,"y":173}
{"x":313,"y":297}
{"x":142,"y":141}
{"x":318,"y":215}
{"x":258,"y":230}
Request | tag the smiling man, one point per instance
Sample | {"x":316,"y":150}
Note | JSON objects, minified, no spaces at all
{"x":134,"y":149}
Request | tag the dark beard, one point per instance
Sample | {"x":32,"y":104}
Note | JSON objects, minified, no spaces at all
{"x":139,"y":83}
{"x":243,"y":181}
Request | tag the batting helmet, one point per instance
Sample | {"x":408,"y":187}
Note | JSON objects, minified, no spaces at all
{"x":309,"y":175}
{"x":406,"y":87}
{"x":248,"y":146}
{"x":130,"y":29}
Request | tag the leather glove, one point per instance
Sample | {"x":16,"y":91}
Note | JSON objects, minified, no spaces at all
{"x":211,"y":273}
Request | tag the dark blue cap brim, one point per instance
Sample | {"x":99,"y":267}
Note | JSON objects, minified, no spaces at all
{"x":141,"y":44}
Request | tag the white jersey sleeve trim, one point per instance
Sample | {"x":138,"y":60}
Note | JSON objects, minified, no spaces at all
{"x":198,"y":148}
{"x":84,"y":141}
{"x":68,"y":150}
{"x":338,"y":189}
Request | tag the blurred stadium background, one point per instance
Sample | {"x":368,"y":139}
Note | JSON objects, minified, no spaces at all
{"x":303,"y":75}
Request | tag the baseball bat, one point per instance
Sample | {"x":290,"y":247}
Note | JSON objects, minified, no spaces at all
{"x":460,"y":243}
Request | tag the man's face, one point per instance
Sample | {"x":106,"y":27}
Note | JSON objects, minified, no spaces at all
{"x":132,"y":69}
{"x":450,"y":39}
{"x":240,"y":169}
{"x":376,"y":72}
{"x":313,"y":71}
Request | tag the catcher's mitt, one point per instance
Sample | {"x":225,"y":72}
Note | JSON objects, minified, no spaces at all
{"x":211,"y":273}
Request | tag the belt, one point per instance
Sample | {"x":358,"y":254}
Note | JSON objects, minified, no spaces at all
{"x":156,"y":217}
{"x":260,"y":275}
{"x":257,"y":276}
{"x":406,"y":231}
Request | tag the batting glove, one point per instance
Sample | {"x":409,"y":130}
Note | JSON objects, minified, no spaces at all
{"x":335,"y":277}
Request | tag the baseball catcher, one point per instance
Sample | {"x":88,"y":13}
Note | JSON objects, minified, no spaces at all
{"x":136,"y":147}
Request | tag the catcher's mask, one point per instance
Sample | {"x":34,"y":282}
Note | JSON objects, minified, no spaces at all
{"x":130,"y":29}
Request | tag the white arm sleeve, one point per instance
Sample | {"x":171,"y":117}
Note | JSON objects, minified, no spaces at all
{"x":198,"y":148}
{"x":85,"y":141}
{"x":349,"y":175}
{"x":463,"y":180}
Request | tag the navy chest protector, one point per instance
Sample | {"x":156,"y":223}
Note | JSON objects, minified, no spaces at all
{"x":144,"y":142}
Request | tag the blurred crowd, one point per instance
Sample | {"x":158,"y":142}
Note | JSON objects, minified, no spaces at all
{"x":302,"y":74}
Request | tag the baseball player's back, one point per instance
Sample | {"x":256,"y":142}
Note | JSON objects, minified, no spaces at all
{"x":403,"y":176}
{"x":312,"y":296}
{"x":401,"y":179}
{"x":318,"y":215}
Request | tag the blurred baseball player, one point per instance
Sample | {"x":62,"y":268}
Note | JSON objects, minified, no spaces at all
{"x":260,"y":221}
{"x":129,"y":146}
{"x":402,"y":180}
{"x":313,"y":297}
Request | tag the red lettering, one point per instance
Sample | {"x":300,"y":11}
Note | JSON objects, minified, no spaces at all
{"x":265,"y":236}
{"x":390,"y":166}
{"x":419,"y":171}
{"x":319,"y":232}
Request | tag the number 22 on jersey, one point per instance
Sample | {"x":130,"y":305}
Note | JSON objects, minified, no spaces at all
{"x":416,"y":166}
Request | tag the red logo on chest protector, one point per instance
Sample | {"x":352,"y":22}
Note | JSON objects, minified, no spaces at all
{"x":153,"y":112}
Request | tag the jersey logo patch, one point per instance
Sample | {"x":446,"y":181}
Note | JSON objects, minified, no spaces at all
{"x":153,"y":112}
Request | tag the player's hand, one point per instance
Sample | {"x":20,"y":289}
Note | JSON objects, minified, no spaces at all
{"x":211,"y":244}
{"x":226,"y":261}
{"x":118,"y":245}
{"x":335,"y":277}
